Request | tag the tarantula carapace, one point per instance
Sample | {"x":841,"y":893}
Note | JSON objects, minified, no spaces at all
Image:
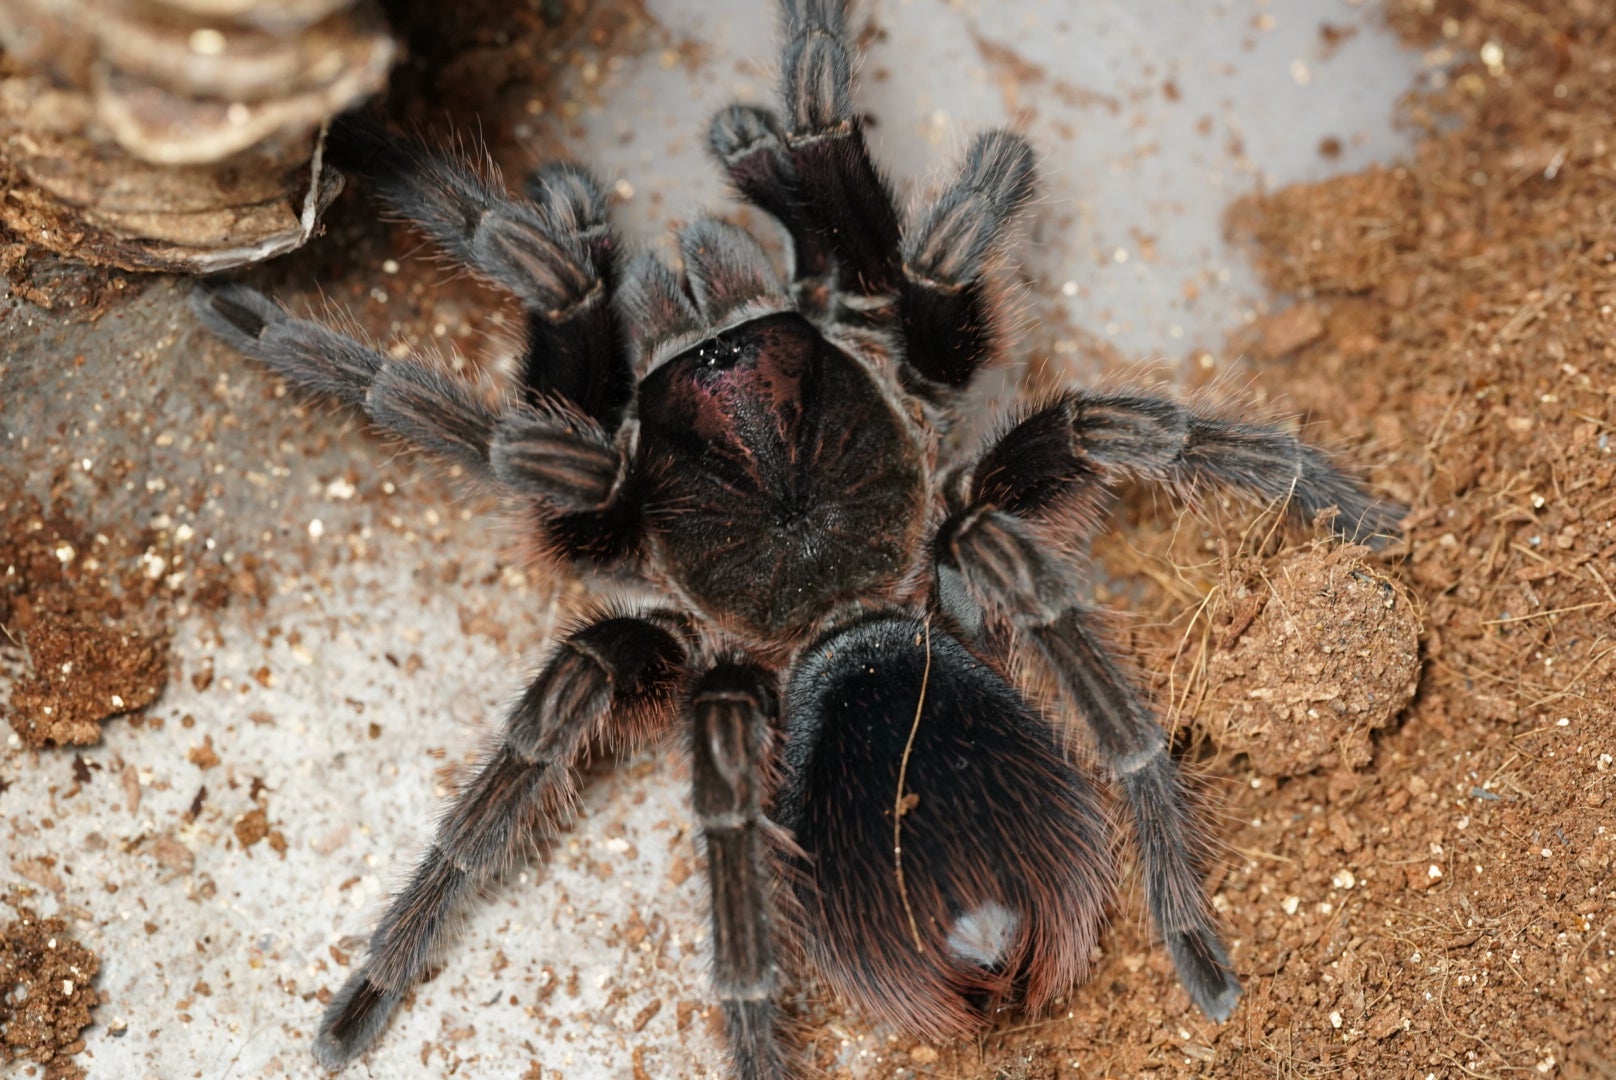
{"x":845,"y":617}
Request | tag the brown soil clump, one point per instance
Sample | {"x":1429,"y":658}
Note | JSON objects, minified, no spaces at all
{"x":1316,"y":650}
{"x":84,"y":674}
{"x":46,"y":994}
{"x":77,"y":601}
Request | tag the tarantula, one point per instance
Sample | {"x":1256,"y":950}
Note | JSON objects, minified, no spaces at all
{"x":846,"y":618}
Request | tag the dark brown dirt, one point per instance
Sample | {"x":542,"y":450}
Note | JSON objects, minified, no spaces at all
{"x":83,"y":674}
{"x":1305,"y":655}
{"x":86,"y":607}
{"x":46,"y":994}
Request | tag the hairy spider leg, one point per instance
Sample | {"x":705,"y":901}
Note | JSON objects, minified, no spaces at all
{"x":406,"y":398}
{"x":948,"y":300}
{"x":991,"y":562}
{"x":1054,"y":466}
{"x":554,"y":251}
{"x":616,"y":678}
{"x":1061,"y":456}
{"x":750,"y":145}
{"x":653,"y":308}
{"x":814,"y":174}
{"x":732,"y":708}
{"x":1172,"y":844}
{"x":813,"y":171}
{"x":851,"y":206}
{"x":547,"y":452}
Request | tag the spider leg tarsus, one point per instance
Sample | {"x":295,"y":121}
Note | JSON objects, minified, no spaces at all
{"x":749,"y":144}
{"x":569,"y":194}
{"x":1204,"y":971}
{"x":806,"y":16}
{"x":1152,"y":436}
{"x":817,"y":78}
{"x":738,"y":132}
{"x":312,"y":357}
{"x":238,"y":313}
{"x":959,"y":234}
{"x":356,"y":1015}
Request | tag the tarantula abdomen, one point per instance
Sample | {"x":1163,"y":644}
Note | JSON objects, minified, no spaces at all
{"x":991,"y":889}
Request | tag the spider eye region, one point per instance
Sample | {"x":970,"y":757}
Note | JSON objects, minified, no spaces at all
{"x":743,"y":381}
{"x":723,"y":353}
{"x":774,"y":457}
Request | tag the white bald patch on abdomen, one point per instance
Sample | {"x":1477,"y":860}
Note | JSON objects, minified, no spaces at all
{"x":983,"y":936}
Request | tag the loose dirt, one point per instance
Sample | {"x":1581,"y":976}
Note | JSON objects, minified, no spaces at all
{"x":83,"y":605}
{"x":46,"y":993}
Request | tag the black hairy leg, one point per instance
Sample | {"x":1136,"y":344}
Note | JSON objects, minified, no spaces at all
{"x":750,"y":146}
{"x":554,"y":251}
{"x":852,"y":209}
{"x":1028,"y":503}
{"x":994,"y":558}
{"x":1061,"y":457}
{"x":812,"y":171}
{"x":1172,"y":844}
{"x":992,"y":564}
{"x":409,"y":399}
{"x":732,"y":709}
{"x":948,"y":318}
{"x":617,"y":679}
{"x":815,"y":175}
{"x":547,"y":452}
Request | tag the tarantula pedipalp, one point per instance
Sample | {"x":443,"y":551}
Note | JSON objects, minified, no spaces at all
{"x":845,"y":615}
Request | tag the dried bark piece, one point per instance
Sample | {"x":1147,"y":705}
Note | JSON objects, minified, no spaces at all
{"x":176,"y":136}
